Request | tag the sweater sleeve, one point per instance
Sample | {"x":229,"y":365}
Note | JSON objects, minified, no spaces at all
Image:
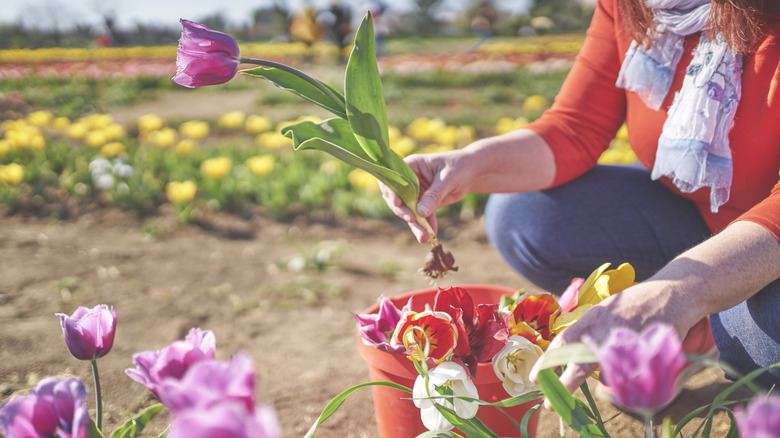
{"x":590,"y":108}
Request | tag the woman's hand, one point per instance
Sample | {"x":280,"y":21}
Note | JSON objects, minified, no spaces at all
{"x":634,"y":308}
{"x":444,"y":180}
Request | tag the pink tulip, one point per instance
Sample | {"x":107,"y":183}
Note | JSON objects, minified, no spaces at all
{"x":53,"y":408}
{"x":205,"y":56}
{"x":641,"y":368}
{"x":760,"y":419}
{"x":210,"y":382}
{"x":226,"y":420}
{"x":568,"y":300}
{"x":376,"y":329}
{"x":172,"y":362}
{"x":89,"y":333}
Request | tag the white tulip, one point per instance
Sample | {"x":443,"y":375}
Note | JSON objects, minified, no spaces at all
{"x":448,"y":375}
{"x":513,"y":363}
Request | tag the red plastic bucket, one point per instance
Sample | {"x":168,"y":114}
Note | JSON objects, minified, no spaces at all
{"x":396,"y":414}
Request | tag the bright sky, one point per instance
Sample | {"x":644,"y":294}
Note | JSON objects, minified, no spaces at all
{"x":64,"y":13}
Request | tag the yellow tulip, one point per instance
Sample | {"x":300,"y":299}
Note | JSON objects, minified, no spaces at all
{"x":231,"y":119}
{"x":112,"y":149}
{"x":403,"y":146}
{"x":216,"y":168}
{"x":39,"y":118}
{"x":37,"y":142}
{"x":163,"y":138}
{"x":77,"y":131}
{"x":535,"y":104}
{"x":150,"y":122}
{"x":506,"y":124}
{"x":11,"y":174}
{"x":99,"y":121}
{"x":5,"y":147}
{"x":114,"y":131}
{"x":465,"y":135}
{"x":598,"y":286}
{"x":60,"y":123}
{"x":180,"y":192}
{"x":256,"y":124}
{"x":260,"y":164}
{"x":272,"y":140}
{"x":363,"y":180}
{"x":194,"y":129}
{"x":622,"y":133}
{"x":447,"y":135}
{"x":602,"y":283}
{"x":186,"y":146}
{"x":95,"y":139}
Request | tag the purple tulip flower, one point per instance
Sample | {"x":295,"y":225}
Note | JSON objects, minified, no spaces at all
{"x":89,"y":333}
{"x":377,"y":329}
{"x":205,"y":56}
{"x":211,"y":382}
{"x":760,"y":419}
{"x":641,"y":368}
{"x":54,"y":408}
{"x":226,"y":420}
{"x":172,"y":362}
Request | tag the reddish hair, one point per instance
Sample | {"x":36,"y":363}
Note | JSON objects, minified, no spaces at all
{"x":743,"y":23}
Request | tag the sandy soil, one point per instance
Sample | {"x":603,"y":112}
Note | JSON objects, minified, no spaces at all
{"x":164,"y":279}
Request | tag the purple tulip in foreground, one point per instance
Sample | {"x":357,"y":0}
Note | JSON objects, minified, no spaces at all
{"x":172,"y":362}
{"x":641,"y":368}
{"x":210,"y":382}
{"x":377,"y":329}
{"x":54,"y":408}
{"x":89,"y":333}
{"x":760,"y":419}
{"x":226,"y":420}
{"x":205,"y":56}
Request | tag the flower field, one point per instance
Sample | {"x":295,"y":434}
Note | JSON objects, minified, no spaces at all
{"x":184,"y":219}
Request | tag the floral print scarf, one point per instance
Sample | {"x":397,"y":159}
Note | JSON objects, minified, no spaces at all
{"x":693,"y":149}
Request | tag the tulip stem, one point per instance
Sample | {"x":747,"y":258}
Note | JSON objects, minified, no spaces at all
{"x":427,"y":226}
{"x":317,"y":84}
{"x":649,"y":426}
{"x":98,"y":397}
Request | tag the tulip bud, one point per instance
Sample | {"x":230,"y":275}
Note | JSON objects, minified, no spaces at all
{"x":205,"y":56}
{"x":89,"y":333}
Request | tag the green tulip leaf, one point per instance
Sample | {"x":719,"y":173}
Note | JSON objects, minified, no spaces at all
{"x":576,"y":352}
{"x":473,"y":427}
{"x":338,"y":400}
{"x":133,"y":426}
{"x":572,"y":411}
{"x":323,"y":95}
{"x":335,"y":137}
{"x":93,"y":431}
{"x":366,"y":110}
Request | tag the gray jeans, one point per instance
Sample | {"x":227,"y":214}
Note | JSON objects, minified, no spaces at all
{"x":618,"y":214}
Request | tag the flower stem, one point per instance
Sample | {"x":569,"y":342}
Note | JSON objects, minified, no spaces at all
{"x":427,"y":226}
{"x":317,"y":84}
{"x":649,"y":426}
{"x":98,"y":397}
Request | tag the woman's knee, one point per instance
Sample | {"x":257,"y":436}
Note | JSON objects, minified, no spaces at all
{"x":748,"y":335}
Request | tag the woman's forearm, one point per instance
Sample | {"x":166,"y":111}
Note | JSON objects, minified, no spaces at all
{"x":519,"y":161}
{"x":721,"y":272}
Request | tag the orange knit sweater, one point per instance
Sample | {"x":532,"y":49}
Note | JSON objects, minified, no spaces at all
{"x":589,"y":110}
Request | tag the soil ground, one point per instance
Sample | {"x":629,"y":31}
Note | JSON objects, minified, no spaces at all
{"x":164,"y":279}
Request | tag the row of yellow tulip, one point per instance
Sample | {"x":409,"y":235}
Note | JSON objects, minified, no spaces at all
{"x":566,"y":46}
